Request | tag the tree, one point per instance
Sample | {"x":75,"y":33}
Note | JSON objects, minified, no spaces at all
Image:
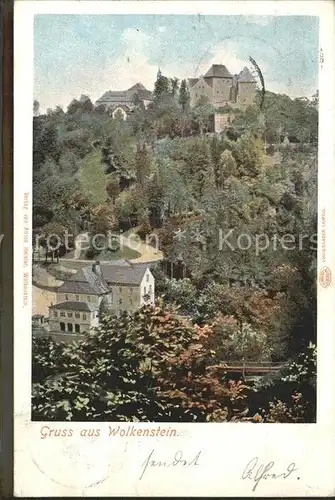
{"x":202,"y":113}
{"x":102,"y":220}
{"x":226,"y":168}
{"x":150,"y":366}
{"x":290,"y":397}
{"x":36,"y":108}
{"x":142,"y":164}
{"x":184,"y":96}
{"x":73,"y":107}
{"x":144,"y":225}
{"x":86,"y":104}
{"x":113,"y":188}
{"x":162,"y":87}
{"x":100,"y":109}
{"x":174,"y":84}
{"x":234,"y":341}
{"x":138,"y":102}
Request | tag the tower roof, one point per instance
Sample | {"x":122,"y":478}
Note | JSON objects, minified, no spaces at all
{"x":245,"y":76}
{"x":218,"y":71}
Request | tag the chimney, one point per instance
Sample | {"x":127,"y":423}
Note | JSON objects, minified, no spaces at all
{"x":96,"y":268}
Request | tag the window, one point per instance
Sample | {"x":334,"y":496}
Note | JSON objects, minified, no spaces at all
{"x":77,"y":328}
{"x":145,"y":290}
{"x":120,"y":301}
{"x":55,"y":314}
{"x":77,"y":315}
{"x":150,"y":288}
{"x":77,"y":297}
{"x":120,"y":289}
{"x":70,"y":327}
{"x":62,"y":314}
{"x":88,"y":298}
{"x":69,"y":315}
{"x":84,"y":316}
{"x":131,"y":301}
{"x":148,"y":277}
{"x":66,"y":297}
{"x":62,"y":327}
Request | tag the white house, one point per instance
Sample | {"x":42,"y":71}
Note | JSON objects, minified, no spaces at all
{"x":117,"y":287}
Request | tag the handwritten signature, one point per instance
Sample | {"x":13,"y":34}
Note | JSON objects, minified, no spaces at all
{"x":256,"y":472}
{"x":178,"y":460}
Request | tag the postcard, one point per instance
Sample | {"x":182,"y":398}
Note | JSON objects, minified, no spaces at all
{"x":174,"y":264}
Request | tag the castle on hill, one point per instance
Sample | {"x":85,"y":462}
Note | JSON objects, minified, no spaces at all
{"x":218,"y":85}
{"x":222,"y":88}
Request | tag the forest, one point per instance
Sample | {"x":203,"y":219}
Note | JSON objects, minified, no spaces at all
{"x":235,"y":215}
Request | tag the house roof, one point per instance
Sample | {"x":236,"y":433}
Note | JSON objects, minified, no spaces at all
{"x":218,"y":71}
{"x":85,"y":281}
{"x":123,"y":275}
{"x":245,"y":76}
{"x":90,"y":282}
{"x":126,"y":95}
{"x":192,"y":81}
{"x":75,"y":305}
{"x":137,"y":87}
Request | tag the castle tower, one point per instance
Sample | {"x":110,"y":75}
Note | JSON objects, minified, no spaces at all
{"x":221,"y":81}
{"x":159,"y":74}
{"x":246,"y":88}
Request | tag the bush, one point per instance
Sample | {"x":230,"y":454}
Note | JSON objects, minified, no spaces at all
{"x":91,"y":253}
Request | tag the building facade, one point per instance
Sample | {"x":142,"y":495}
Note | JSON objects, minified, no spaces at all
{"x":220,"y":87}
{"x":96,"y":289}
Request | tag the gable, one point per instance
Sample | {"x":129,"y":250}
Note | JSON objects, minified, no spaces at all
{"x":201,"y":84}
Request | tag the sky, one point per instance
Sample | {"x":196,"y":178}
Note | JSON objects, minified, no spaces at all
{"x":90,"y":54}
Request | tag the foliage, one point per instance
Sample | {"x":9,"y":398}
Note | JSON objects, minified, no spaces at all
{"x":162,"y":87}
{"x":162,"y":171}
{"x":202,"y":113}
{"x":234,"y":341}
{"x":150,"y":366}
{"x":290,"y":396}
{"x":282,"y":116}
{"x":184,"y":96}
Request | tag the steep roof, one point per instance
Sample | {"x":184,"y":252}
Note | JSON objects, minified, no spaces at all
{"x":192,"y":81}
{"x":123,"y":275}
{"x":218,"y":71}
{"x":75,"y":305}
{"x":137,"y":87}
{"x":110,"y":95}
{"x":245,"y":76}
{"x":85,"y":281}
{"x":90,"y":282}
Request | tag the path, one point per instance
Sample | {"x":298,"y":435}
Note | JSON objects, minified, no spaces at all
{"x":131,"y":240}
{"x":148,"y":252}
{"x":41,"y":300}
{"x":43,"y":278}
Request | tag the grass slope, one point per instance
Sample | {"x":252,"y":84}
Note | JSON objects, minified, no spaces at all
{"x":93,"y":178}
